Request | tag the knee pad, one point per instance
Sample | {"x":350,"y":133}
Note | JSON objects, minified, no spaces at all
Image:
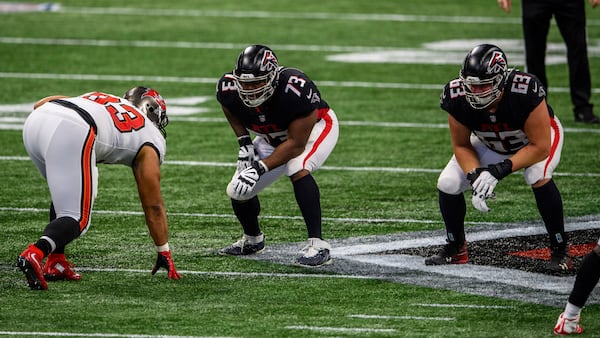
{"x":450,"y":185}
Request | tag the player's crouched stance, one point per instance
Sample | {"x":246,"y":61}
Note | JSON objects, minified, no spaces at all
{"x":499,"y":123}
{"x":295,"y":133}
{"x":65,"y":137}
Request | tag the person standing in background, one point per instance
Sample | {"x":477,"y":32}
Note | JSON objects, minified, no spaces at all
{"x":570,"y":19}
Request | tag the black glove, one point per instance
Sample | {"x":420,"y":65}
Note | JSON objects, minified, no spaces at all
{"x":501,"y":169}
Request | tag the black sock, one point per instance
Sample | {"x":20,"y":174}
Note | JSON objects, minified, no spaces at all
{"x":247,"y":213}
{"x":61,"y":231}
{"x":549,"y":204}
{"x":453,"y":209}
{"x":52,"y":212}
{"x":587,"y":278}
{"x":308,"y":198}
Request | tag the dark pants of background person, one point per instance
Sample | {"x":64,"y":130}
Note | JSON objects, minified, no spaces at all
{"x":570,"y":19}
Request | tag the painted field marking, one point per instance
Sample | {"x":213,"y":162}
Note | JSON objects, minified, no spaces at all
{"x":401,"y":317}
{"x":337,"y":329}
{"x":230,"y":273}
{"x":212,"y":81}
{"x":470,"y":306}
{"x":96,"y":334}
{"x":333,"y":168}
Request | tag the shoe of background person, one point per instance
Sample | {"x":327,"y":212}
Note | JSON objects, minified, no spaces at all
{"x":450,"y":254}
{"x":57,"y":268}
{"x":243,"y":247}
{"x":315,"y":253}
{"x":587,"y":117}
{"x":566,"y":326}
{"x":560,"y":261}
{"x":30,"y":263}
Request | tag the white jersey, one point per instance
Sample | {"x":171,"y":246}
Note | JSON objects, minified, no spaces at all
{"x":121,"y":128}
{"x":65,"y":138}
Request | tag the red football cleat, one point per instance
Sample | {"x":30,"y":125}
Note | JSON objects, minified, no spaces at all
{"x":30,"y":263}
{"x":566,"y":326}
{"x":57,"y":267}
{"x":450,"y":254}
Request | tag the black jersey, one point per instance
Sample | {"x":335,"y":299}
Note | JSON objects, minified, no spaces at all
{"x":295,"y":96}
{"x":501,"y":131}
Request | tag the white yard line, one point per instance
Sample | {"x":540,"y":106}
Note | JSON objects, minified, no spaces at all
{"x":364,"y":316}
{"x":468,"y":306}
{"x":332,"y":168}
{"x":339,"y":329}
{"x":96,"y":334}
{"x":293,"y":15}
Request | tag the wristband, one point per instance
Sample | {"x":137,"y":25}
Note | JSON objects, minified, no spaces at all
{"x":260,"y":167}
{"x":473,"y":174}
{"x":244,"y":140}
{"x":164,"y":247}
{"x":501,"y":169}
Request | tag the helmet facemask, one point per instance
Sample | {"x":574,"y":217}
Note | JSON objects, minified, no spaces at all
{"x":256,"y":73}
{"x":482,"y":99}
{"x":259,"y":88}
{"x":483,"y":75}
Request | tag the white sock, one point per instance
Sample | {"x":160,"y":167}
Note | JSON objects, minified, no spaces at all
{"x":572,"y":311}
{"x":255,"y":239}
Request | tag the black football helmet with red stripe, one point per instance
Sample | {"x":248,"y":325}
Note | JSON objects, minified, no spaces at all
{"x":483,"y":75}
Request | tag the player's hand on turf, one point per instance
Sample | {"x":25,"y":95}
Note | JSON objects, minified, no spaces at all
{"x":164,"y":260}
{"x":246,"y":154}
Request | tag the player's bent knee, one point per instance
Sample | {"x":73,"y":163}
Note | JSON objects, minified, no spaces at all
{"x":236,"y":196}
{"x":449,"y":185}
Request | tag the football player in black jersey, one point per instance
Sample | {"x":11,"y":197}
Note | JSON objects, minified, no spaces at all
{"x":499,"y":123}
{"x":295,"y":131}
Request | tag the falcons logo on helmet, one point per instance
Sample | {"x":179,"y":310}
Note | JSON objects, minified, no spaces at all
{"x":269,"y":62}
{"x":497,"y":63}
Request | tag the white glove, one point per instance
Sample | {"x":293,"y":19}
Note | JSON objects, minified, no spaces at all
{"x":484,"y":185}
{"x":243,"y":184}
{"x":247,"y":154}
{"x":479,"y":203}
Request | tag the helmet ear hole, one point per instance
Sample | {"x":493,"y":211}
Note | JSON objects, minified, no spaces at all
{"x":151,"y":104}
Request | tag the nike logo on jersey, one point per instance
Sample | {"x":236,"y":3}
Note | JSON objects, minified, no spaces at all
{"x":315,"y":98}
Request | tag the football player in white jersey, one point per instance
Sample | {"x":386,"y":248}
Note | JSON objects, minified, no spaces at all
{"x":295,"y":130}
{"x":66,"y":137}
{"x":499,"y":123}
